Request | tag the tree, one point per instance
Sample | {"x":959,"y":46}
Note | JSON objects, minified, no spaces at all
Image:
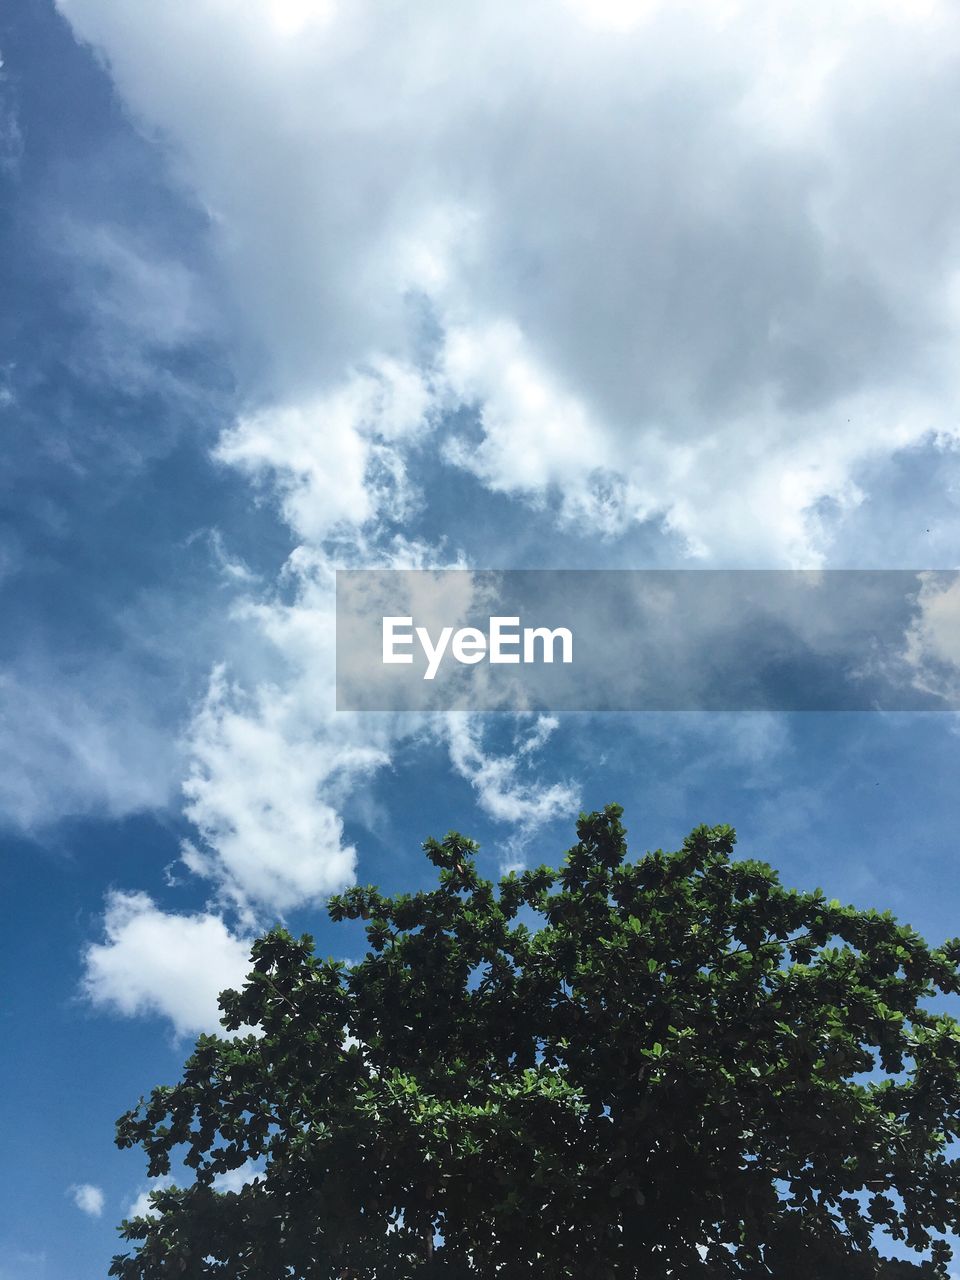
{"x":664,"y":1068}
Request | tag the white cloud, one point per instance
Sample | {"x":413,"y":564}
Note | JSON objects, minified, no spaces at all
{"x":331,"y":459}
{"x":233,"y":570}
{"x":88,"y":1199}
{"x":79,"y":741}
{"x":543,"y":729}
{"x":161,"y":963}
{"x":140,"y":1206}
{"x":258,"y":770}
{"x":931,"y":647}
{"x":94,"y":730}
{"x":270,"y":768}
{"x":232,"y":1181}
{"x":270,"y":760}
{"x":692,"y":261}
{"x":501,"y":790}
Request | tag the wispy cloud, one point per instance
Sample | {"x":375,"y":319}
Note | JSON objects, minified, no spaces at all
{"x":79,"y":741}
{"x":11,"y":136}
{"x":502,"y":790}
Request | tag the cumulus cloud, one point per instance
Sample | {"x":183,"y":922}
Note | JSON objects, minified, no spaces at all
{"x":159,"y":962}
{"x":693,"y":262}
{"x":255,"y":793}
{"x":88,"y":1199}
{"x":626,"y":262}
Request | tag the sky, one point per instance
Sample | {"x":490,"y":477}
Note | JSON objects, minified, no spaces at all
{"x":288,"y":286}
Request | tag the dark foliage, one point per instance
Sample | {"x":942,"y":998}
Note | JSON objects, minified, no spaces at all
{"x":665,"y":1068}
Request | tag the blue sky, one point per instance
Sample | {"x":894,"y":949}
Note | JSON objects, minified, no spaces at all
{"x":287,"y":286}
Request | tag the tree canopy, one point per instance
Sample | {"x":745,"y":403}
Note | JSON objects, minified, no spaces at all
{"x":662,"y":1068}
